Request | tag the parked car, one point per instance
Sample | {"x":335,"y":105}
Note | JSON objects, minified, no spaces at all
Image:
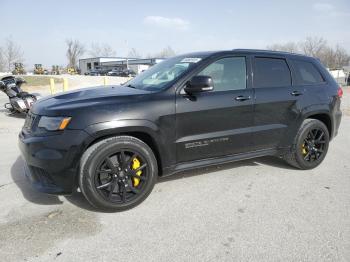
{"x":98,"y":72}
{"x":94,"y":72}
{"x":121,"y":72}
{"x":127,"y":73}
{"x":189,"y":111}
{"x":115,"y":72}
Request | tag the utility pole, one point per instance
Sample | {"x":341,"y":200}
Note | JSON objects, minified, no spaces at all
{"x":127,"y":59}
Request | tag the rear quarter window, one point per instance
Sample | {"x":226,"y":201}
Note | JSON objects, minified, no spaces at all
{"x":306,"y":73}
{"x":271,"y":72}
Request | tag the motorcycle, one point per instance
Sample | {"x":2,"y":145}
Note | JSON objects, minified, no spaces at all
{"x":20,"y":101}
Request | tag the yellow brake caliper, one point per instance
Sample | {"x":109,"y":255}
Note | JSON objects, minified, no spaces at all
{"x":135,"y":165}
{"x":303,"y":149}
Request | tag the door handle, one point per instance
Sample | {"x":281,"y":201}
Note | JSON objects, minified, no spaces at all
{"x":296,"y":93}
{"x":242,"y":98}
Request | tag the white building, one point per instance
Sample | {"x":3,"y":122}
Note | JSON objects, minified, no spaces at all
{"x":88,"y":64}
{"x":339,"y":75}
{"x":136,"y":64}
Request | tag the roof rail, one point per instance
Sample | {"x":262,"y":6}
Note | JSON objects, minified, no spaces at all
{"x":264,"y":51}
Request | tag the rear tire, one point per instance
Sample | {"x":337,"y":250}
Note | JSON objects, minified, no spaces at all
{"x":310,"y":145}
{"x":107,"y":177}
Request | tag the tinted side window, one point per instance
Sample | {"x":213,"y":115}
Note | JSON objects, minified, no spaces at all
{"x":306,"y":73}
{"x":271,"y":72}
{"x":227,"y":73}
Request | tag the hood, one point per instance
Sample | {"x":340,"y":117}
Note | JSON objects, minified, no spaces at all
{"x":85,"y":97}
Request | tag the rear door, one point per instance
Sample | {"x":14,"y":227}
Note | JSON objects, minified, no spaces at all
{"x":216,"y":123}
{"x":276,"y":107}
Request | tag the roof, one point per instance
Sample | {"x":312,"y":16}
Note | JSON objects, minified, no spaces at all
{"x":106,"y":57}
{"x":99,"y":57}
{"x":133,"y":61}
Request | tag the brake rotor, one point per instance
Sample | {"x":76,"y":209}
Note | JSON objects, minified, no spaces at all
{"x":135,"y":165}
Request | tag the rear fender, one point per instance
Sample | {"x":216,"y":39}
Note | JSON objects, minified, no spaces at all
{"x":304,"y":114}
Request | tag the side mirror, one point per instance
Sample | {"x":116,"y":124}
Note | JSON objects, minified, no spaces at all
{"x":199,"y":84}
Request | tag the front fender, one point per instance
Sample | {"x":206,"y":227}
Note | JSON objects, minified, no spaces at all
{"x":123,"y":126}
{"x":130,"y":126}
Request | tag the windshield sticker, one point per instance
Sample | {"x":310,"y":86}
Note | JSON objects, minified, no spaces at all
{"x":191,"y":60}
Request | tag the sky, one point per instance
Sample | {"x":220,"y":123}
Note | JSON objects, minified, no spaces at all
{"x":41,"y":27}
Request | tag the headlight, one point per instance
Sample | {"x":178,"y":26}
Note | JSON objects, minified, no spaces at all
{"x":54,"y":123}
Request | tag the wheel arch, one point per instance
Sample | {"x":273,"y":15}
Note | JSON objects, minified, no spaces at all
{"x":145,"y":130}
{"x":325,"y":118}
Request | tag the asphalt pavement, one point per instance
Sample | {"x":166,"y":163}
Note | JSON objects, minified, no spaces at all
{"x":253,"y":210}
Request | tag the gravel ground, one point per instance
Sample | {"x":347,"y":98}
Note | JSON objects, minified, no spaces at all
{"x":254,"y":210}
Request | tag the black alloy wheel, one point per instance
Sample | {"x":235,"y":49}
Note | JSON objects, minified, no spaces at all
{"x":117,"y":173}
{"x":310,"y":146}
{"x":314,"y":145}
{"x":117,"y":180}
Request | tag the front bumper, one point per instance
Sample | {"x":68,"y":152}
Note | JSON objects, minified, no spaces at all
{"x":52,"y":162}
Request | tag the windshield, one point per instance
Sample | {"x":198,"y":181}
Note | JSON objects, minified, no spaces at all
{"x":160,"y":75}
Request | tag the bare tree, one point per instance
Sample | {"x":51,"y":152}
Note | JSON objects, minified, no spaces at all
{"x":314,"y":46}
{"x":97,"y":50}
{"x":317,"y":47}
{"x":341,"y":57}
{"x":165,"y":53}
{"x":2,"y":66}
{"x":11,"y":53}
{"x":287,"y":47}
{"x":328,"y":57}
{"x":75,"y":50}
{"x":133,"y":53}
{"x":331,"y":57}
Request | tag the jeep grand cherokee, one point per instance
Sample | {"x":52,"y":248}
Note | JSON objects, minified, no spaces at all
{"x":186,"y":112}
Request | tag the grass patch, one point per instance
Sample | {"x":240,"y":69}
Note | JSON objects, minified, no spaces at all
{"x":41,"y":80}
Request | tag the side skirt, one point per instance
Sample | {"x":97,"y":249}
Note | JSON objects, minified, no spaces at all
{"x":218,"y":160}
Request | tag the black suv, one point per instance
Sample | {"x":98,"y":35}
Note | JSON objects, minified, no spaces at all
{"x":189,"y":111}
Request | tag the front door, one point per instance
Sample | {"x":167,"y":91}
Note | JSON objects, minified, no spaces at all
{"x":218,"y":122}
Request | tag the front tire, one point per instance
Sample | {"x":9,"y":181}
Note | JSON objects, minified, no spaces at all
{"x":310,"y":145}
{"x":117,"y":173}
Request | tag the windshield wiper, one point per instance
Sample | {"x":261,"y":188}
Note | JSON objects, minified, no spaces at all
{"x":131,"y":86}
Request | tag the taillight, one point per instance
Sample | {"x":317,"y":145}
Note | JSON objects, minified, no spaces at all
{"x":340,"y":92}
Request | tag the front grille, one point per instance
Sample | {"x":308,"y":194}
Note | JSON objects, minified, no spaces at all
{"x":39,"y":175}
